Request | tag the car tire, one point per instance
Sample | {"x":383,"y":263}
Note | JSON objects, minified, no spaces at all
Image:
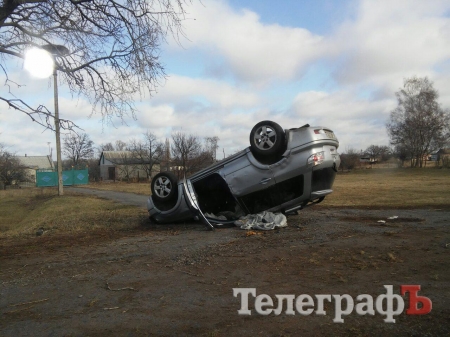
{"x":267,"y":139}
{"x":164,"y":186}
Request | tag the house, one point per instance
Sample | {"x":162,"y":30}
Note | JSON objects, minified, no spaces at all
{"x":443,"y":156}
{"x":123,"y":165}
{"x":33,"y":163}
{"x":369,"y":160}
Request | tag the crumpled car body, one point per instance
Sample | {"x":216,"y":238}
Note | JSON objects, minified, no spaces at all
{"x":248,"y":182}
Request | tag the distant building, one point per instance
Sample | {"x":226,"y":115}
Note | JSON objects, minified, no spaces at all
{"x":122,"y":165}
{"x":33,"y":163}
{"x":369,"y":160}
{"x":439,"y":155}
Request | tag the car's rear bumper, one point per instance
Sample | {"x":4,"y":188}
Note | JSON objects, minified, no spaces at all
{"x":322,"y":180}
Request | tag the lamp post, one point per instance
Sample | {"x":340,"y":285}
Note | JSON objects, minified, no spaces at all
{"x":57,"y":51}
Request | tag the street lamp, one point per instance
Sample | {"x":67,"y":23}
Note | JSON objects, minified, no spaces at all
{"x":54,"y":51}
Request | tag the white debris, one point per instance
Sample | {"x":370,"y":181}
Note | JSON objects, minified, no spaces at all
{"x":393,"y":217}
{"x":381,"y":221}
{"x":262,"y":221}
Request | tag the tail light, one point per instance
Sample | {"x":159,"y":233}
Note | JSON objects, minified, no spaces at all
{"x":316,"y":158}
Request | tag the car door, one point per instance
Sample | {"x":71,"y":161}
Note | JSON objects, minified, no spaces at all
{"x":192,"y":202}
{"x":251,"y":182}
{"x":247,"y":175}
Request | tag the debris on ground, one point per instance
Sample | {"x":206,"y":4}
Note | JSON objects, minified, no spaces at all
{"x":262,"y":221}
{"x":390,"y":218}
{"x":250,"y":233}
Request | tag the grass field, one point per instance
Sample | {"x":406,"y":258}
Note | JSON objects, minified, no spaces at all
{"x":391,"y":188}
{"x":24,"y":211}
{"x":138,"y":188}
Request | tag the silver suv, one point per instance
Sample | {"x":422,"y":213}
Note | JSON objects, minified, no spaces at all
{"x":282,"y":170}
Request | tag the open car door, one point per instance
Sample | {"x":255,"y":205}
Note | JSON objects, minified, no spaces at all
{"x":191,"y":200}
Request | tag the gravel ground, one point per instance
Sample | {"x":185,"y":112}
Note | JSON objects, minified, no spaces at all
{"x":177,"y":279}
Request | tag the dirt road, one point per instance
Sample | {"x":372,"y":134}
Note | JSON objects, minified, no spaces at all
{"x":177,"y":279}
{"x":121,"y":197}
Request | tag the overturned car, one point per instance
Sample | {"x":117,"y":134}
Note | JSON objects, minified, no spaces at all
{"x":281,"y":171}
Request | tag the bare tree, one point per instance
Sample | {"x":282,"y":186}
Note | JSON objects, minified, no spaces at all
{"x":148,"y":151}
{"x":385,"y":152}
{"x":105,"y":147}
{"x":11,"y":169}
{"x":418,"y":124}
{"x":378,"y":152}
{"x":212,"y":146}
{"x":190,"y":155}
{"x":349,"y":159}
{"x":94,"y":169}
{"x":184,"y":149}
{"x":78,"y":147}
{"x":202,"y":160}
{"x":113,"y":48}
{"x":401,"y":153}
{"x":120,"y":145}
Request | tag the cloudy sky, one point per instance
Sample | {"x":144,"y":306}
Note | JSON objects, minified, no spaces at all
{"x":324,"y":62}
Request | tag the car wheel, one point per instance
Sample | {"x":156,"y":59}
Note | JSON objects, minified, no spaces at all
{"x":164,"y":186}
{"x":267,"y":139}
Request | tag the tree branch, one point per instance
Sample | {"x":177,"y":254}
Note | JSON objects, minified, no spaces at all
{"x":41,"y":115}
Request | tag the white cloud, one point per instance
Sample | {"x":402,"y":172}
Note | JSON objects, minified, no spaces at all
{"x":356,"y":122}
{"x":370,"y":54}
{"x":254,"y":51}
{"x":391,"y":39}
{"x":21,"y":135}
{"x":213,"y":91}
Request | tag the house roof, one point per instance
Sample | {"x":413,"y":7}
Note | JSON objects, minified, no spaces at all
{"x":442,"y":151}
{"x":122,"y":158}
{"x":36,"y":162}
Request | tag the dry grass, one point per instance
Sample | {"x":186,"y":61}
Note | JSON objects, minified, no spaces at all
{"x":23,"y":212}
{"x":391,"y":188}
{"x":362,"y":188}
{"x":138,"y":188}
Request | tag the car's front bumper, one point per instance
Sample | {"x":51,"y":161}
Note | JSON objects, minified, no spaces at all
{"x":178,"y":212}
{"x":185,"y":207}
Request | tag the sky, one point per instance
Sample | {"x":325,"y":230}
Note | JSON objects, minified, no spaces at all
{"x":332,"y":63}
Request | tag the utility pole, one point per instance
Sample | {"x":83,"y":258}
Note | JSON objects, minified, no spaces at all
{"x":57,"y":51}
{"x":58,"y":134}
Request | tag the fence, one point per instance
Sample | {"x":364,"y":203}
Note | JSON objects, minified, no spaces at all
{"x":70,"y":178}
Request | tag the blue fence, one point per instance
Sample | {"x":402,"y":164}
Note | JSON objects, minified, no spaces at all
{"x":70,"y":178}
